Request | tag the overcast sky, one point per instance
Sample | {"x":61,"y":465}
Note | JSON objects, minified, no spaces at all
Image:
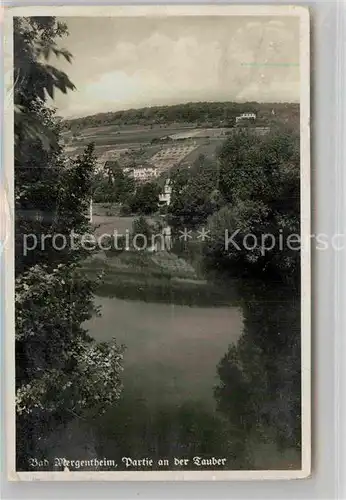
{"x":122,"y":63}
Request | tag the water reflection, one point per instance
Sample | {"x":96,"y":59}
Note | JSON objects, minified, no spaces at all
{"x":167,"y":408}
{"x":165,"y":432}
{"x":260,"y":385}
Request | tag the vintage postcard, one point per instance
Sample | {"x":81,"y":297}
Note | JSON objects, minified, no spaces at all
{"x":157,"y":180}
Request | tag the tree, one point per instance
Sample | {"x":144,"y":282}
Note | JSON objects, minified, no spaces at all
{"x":35,"y":40}
{"x":141,"y":226}
{"x":260,"y":183}
{"x":201,"y":114}
{"x":112,"y":185}
{"x":60,"y":370}
{"x":260,"y":389}
{"x":122,"y":184}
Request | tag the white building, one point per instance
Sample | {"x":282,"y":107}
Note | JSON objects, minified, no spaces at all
{"x":165,"y":196}
{"x":246,"y":116}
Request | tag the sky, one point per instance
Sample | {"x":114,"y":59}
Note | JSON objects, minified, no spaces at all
{"x":123,"y":63}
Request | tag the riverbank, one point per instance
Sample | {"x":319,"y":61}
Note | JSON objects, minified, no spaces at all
{"x":161,"y":277}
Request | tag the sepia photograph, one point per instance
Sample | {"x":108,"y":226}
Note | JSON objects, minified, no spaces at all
{"x":158,"y":269}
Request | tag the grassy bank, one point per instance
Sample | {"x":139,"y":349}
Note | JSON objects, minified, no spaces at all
{"x":161,"y":277}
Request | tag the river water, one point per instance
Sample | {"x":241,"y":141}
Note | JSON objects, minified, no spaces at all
{"x":175,"y":357}
{"x":171,"y":350}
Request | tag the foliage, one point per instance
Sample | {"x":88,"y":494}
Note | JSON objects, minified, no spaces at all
{"x":35,"y":40}
{"x":195,"y":194}
{"x":113,"y":185}
{"x":260,"y":183}
{"x":60,"y":370}
{"x":260,"y":376}
{"x":125,"y":209}
{"x":259,"y":387}
{"x":86,"y":374}
{"x":141,"y":226}
{"x":206,"y":114}
{"x":52,"y":200}
{"x":256,"y":191}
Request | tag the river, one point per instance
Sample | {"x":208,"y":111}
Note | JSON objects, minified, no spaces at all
{"x":171,"y":350}
{"x":199,"y":380}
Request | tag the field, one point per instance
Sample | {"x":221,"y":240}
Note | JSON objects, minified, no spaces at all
{"x":136,"y":142}
{"x":111,"y":135}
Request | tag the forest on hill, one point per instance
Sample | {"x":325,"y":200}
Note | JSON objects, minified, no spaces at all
{"x":197,"y":113}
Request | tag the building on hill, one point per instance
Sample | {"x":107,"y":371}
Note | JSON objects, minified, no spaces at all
{"x":246,"y":116}
{"x":144,"y":173}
